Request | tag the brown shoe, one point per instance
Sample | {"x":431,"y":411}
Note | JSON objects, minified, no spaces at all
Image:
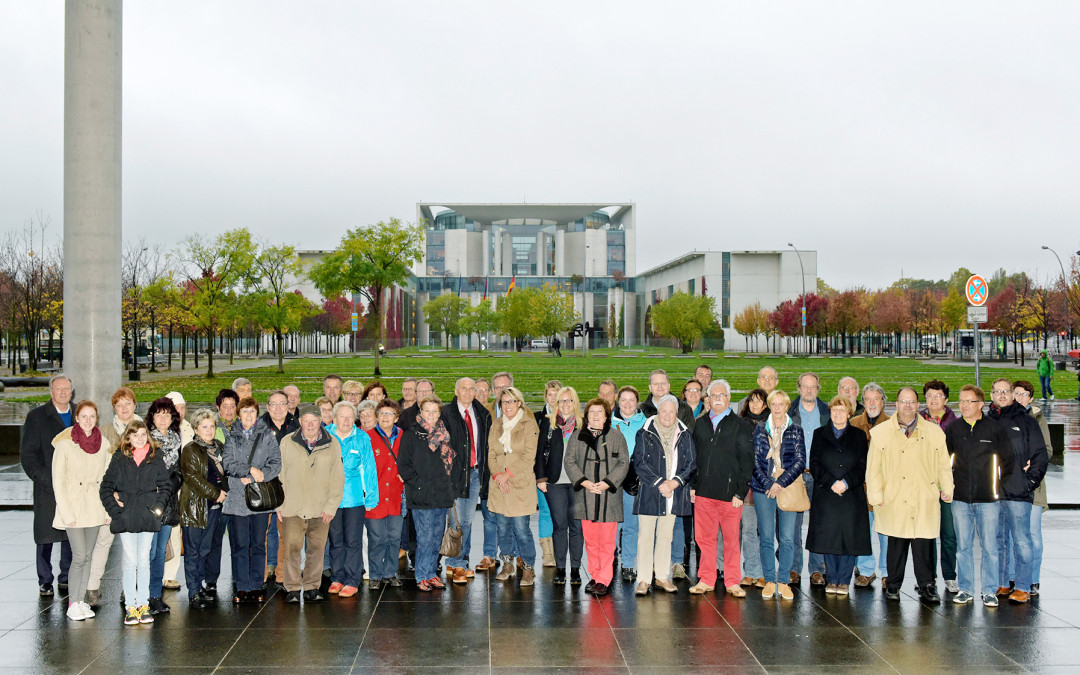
{"x":759,"y":582}
{"x":401,"y":553}
{"x":736,"y":592}
{"x":817,"y":579}
{"x":795,"y":578}
{"x":785,"y":591}
{"x":520,"y":565}
{"x":701,"y":588}
{"x":1002,"y":591}
{"x":486,"y":564}
{"x":769,"y":591}
{"x":747,"y":581}
{"x":1019,"y":597}
{"x":864,"y":582}
{"x":507,"y":570}
{"x":528,"y":576}
{"x":666,"y":585}
{"x":642,"y":588}
{"x":459,"y":576}
{"x":469,"y":574}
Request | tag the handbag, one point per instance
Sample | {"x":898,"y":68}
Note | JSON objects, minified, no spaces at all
{"x":451,"y":539}
{"x":265,"y":496}
{"x":793,"y":498}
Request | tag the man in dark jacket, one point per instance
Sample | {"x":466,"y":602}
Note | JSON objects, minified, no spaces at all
{"x":468,"y":423}
{"x":725,"y":462}
{"x":1029,"y":468}
{"x":809,"y":412}
{"x":873,"y":414}
{"x":980,"y":451}
{"x":424,"y":388}
{"x":42,"y":424}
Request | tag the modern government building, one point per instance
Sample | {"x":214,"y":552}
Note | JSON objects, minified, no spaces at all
{"x":590,"y":250}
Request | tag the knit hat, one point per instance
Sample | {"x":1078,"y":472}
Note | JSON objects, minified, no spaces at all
{"x":309,"y":409}
{"x":176,"y":397}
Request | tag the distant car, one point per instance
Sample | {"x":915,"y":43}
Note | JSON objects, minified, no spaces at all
{"x":539,"y":344}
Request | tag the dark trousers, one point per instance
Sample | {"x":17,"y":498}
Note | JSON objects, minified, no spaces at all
{"x":217,"y":538}
{"x":198,"y":543}
{"x":922,"y":551}
{"x":247,"y":537}
{"x":838,"y":569}
{"x":948,"y":543}
{"x":347,"y":546}
{"x":44,"y":563}
{"x":566,"y":530}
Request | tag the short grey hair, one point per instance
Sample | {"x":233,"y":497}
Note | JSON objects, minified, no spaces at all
{"x":240,"y":382}
{"x":667,"y":398}
{"x":874,"y":386}
{"x":808,"y":373}
{"x":202,"y":414}
{"x":462,"y":379}
{"x":60,"y":376}
{"x":659,"y":371}
{"x":503,"y":373}
{"x":366,"y":404}
{"x":721,"y":382}
{"x":344,"y":404}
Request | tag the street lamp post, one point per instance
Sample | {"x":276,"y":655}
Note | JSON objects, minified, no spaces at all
{"x":1064,"y":281}
{"x":802,"y":275}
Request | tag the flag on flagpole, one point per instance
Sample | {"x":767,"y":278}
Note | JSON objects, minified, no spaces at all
{"x":486,"y":280}
{"x":513,"y":283}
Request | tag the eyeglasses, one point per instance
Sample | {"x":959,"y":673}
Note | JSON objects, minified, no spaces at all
{"x":566,"y":401}
{"x":969,"y":401}
{"x":935,"y":395}
{"x":277,"y":405}
{"x":720,"y":395}
{"x":510,"y":401}
{"x":999,"y":392}
{"x":1021,"y":394}
{"x":907,"y":403}
{"x":692,"y":390}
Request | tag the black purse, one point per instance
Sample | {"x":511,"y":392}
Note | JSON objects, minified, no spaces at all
{"x":265,"y":496}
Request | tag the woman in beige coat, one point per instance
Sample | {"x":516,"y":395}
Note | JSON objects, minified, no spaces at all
{"x":81,"y":456}
{"x":512,"y":491}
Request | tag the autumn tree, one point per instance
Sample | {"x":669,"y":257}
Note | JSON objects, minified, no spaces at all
{"x":480,"y":319}
{"x":684,"y":317}
{"x":443,"y":315}
{"x":847,"y":315}
{"x":34,"y":274}
{"x":890,"y":314}
{"x":368,"y":261}
{"x":552,"y":311}
{"x":515,"y":314}
{"x":751,"y":321}
{"x":276,"y":270}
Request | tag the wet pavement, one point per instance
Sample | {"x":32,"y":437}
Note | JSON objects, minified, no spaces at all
{"x":489,"y":626}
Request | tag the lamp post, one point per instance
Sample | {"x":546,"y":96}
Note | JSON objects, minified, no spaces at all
{"x":802,"y":275}
{"x":584,"y":291}
{"x":1064,"y":281}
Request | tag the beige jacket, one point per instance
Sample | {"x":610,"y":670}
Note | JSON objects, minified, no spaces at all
{"x":77,"y":482}
{"x":521,"y":500}
{"x":313,"y":483}
{"x":905,"y":478}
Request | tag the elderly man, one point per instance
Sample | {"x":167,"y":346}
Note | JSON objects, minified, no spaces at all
{"x":282,"y":424}
{"x":331,"y":387}
{"x":242,"y":387}
{"x":767,"y":380}
{"x":292,"y":392}
{"x":1029,"y":467}
{"x":468,"y":423}
{"x":424,"y":388}
{"x":313,"y":478}
{"x":42,"y":424}
{"x":873,"y":414}
{"x":848,"y":387}
{"x":408,"y":392}
{"x":607,"y":391}
{"x":809,"y":412}
{"x":907,"y":473}
{"x":725,"y":461}
{"x":482,"y":389}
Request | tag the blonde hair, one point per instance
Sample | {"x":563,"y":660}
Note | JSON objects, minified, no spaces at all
{"x":577,"y":408}
{"x":842,"y":401}
{"x":778,"y":394}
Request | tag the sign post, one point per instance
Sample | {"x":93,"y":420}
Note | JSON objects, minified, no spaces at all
{"x":355,"y":328}
{"x":977,"y":292}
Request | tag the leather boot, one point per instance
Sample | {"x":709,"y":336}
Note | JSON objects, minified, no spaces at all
{"x":507,"y":569}
{"x":547,"y":547}
{"x":528,"y":576}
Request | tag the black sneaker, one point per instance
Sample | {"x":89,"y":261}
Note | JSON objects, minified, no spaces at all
{"x":393,"y":581}
{"x":628,"y":575}
{"x":929,"y":594}
{"x":158,"y":606}
{"x":198,"y":601}
{"x":891,"y":594}
{"x":560,"y":576}
{"x":1034,"y":590}
{"x":210,"y":590}
{"x":240,"y":597}
{"x":313,"y":596}
{"x":599,"y":590}
{"x":45,"y":590}
{"x":589,"y":587}
{"x":292,"y":597}
{"x":575,"y":577}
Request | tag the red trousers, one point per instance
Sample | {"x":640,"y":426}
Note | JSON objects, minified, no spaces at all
{"x":600,"y":549}
{"x":710,"y":514}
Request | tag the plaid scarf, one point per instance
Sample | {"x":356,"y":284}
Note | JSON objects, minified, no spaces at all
{"x":438,"y":439}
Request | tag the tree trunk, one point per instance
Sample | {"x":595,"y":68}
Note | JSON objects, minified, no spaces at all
{"x":280,"y":351}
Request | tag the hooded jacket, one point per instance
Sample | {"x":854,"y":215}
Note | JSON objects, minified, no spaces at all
{"x":792,"y":457}
{"x":600,"y":459}
{"x":358,"y":460}
{"x":143,"y":489}
{"x":1029,"y":449}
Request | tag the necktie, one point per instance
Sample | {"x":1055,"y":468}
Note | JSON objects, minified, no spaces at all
{"x":472,"y":443}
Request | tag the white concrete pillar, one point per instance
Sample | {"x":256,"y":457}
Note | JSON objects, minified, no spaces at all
{"x":92,"y":234}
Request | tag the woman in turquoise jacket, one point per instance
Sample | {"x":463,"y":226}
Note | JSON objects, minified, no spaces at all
{"x":628,"y":419}
{"x":361,"y":493}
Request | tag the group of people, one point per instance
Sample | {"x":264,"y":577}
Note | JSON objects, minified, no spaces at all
{"x":636,"y":481}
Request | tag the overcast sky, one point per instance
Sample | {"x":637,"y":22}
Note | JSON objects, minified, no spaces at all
{"x":914,"y":136}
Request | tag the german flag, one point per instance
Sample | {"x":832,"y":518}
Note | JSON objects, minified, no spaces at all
{"x":513,"y":283}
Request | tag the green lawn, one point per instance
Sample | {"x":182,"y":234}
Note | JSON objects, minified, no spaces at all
{"x":532,"y":370}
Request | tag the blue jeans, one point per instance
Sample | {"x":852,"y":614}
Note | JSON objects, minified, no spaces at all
{"x":1014,"y":544}
{"x":430,"y":525}
{"x":516,"y":531}
{"x":158,"y":547}
{"x":1044,"y":383}
{"x":404,"y":545}
{"x":751,"y":546}
{"x":767,"y":516}
{"x":198,"y":542}
{"x":247,"y":538}
{"x":865,"y":564}
{"x":817,"y":560}
{"x":466,"y":510}
{"x":984,"y":517}
{"x":272,"y":542}
{"x":136,"y":566}
{"x":491,"y":531}
{"x":545,"y":527}
{"x":383,"y":534}
{"x":628,"y":530}
{"x":838,"y":569}
{"x":1036,"y":543}
{"x":678,"y":541}
{"x":347,"y":546}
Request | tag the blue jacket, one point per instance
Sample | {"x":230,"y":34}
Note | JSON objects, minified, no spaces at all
{"x":361,"y":477}
{"x":629,"y":428}
{"x":792,"y":457}
{"x":648,"y":460}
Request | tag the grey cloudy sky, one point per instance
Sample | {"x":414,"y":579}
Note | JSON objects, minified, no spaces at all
{"x":918,"y":135}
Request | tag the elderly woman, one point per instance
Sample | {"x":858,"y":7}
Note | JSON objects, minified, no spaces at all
{"x":779,"y":459}
{"x":374,"y":392}
{"x":353,"y":392}
{"x":251,"y":455}
{"x":512,"y":490}
{"x":553,"y":480}
{"x":80,"y":456}
{"x":187,"y":432}
{"x":424,"y":464}
{"x":596,"y":462}
{"x":839,"y":522}
{"x":361,"y":493}
{"x":628,"y":420}
{"x":123,"y":403}
{"x":165,"y":431}
{"x":326,"y":410}
{"x":201,"y":497}
{"x":664,"y":461}
{"x":365,"y":415}
{"x":384,"y":521}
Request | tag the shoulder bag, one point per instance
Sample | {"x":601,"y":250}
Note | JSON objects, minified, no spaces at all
{"x":793,"y":498}
{"x":265,"y":496}
{"x":451,"y":540}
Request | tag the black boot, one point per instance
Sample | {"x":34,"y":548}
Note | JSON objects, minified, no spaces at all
{"x":560,"y":576}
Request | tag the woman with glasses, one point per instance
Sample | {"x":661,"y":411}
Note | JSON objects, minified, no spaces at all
{"x":556,"y":430}
{"x":512,"y":492}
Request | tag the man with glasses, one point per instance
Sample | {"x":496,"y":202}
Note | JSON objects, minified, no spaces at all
{"x":1024,"y":393}
{"x":907,"y":473}
{"x":468,"y":423}
{"x":424,"y":388}
{"x":848,"y":387}
{"x":866,"y":566}
{"x":980,"y":448}
{"x":937,"y":411}
{"x":809,"y":412}
{"x":1029,"y":468}
{"x":767,"y":380}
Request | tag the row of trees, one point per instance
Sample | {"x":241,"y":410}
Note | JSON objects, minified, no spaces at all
{"x":545,"y":311}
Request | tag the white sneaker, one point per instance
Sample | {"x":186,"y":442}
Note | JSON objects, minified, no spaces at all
{"x":951,"y":586}
{"x":74,"y":612}
{"x":88,"y":612}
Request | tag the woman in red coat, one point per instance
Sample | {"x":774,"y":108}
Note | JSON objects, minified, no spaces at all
{"x":384,"y":521}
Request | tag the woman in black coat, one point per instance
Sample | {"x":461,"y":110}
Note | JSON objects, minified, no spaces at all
{"x":556,"y":431}
{"x":839,"y":521}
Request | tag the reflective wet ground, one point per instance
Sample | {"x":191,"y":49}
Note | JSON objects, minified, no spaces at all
{"x":490,"y":626}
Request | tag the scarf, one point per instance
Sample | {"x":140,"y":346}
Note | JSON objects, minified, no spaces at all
{"x":119,"y":426}
{"x":759,"y":417}
{"x":567,"y":426}
{"x":90,"y":444}
{"x":508,"y":426}
{"x":438,"y":439}
{"x":170,"y":446}
{"x":667,"y":440}
{"x":140,"y":454}
{"x":776,"y":438}
{"x":213,"y":451}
